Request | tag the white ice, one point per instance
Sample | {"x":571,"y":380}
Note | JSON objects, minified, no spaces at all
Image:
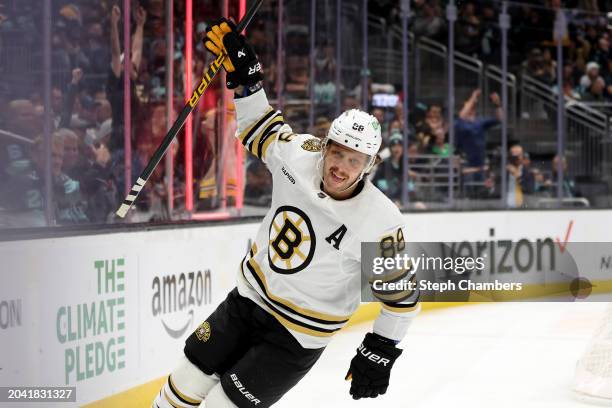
{"x":481,"y":355}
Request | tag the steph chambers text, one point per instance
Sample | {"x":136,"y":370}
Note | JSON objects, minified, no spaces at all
{"x":465,"y":284}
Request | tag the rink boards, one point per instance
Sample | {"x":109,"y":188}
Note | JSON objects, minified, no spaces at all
{"x":107,"y":313}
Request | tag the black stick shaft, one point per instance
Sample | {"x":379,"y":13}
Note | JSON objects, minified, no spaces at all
{"x":209,"y":75}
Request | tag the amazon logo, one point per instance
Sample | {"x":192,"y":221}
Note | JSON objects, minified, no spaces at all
{"x":179,"y":295}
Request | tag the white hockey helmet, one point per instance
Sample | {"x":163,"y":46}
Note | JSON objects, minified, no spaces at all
{"x":357,"y":130}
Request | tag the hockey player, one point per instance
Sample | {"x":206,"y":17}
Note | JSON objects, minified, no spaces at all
{"x":300,"y":281}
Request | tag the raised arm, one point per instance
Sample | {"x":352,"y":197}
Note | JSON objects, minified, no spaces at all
{"x":469,"y":105}
{"x":115,"y":48}
{"x":70,"y":97}
{"x":495,"y":100}
{"x":259,"y":125}
{"x":137,"y":37}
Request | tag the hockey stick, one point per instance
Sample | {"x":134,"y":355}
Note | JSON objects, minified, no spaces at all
{"x":16,"y":137}
{"x":209,"y":74}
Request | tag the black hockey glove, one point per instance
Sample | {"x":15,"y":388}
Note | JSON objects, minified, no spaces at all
{"x":371,"y":367}
{"x":241,"y":64}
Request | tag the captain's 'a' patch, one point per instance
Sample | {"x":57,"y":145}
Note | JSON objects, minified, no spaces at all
{"x":312,"y":145}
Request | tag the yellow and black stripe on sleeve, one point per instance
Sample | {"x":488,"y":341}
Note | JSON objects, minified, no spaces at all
{"x":407,"y":305}
{"x":258,"y":137}
{"x":404,"y":287}
{"x":400,"y":307}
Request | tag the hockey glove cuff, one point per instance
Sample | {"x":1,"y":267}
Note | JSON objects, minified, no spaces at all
{"x":371,"y":368}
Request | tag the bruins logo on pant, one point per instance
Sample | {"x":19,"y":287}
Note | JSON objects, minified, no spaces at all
{"x":292,"y":240}
{"x":203,"y":332}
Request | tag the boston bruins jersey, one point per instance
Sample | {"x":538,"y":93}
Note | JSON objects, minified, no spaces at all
{"x":304,"y":265}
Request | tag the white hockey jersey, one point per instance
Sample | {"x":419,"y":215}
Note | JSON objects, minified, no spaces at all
{"x":304,"y":265}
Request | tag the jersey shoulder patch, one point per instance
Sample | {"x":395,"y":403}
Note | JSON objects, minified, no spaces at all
{"x":312,"y":145}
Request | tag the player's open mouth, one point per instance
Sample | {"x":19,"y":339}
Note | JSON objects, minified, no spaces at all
{"x":336,"y":178}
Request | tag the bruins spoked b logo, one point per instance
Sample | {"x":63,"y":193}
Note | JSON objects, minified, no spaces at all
{"x":203,"y":332}
{"x":292,"y":240}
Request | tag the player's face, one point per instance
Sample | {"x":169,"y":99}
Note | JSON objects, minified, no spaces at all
{"x":341,"y":167}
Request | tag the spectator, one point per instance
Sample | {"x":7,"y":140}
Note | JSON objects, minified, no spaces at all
{"x":63,"y":105}
{"x":491,"y":37}
{"x":471,"y":129}
{"x":114,"y":87}
{"x":578,"y":51}
{"x":538,"y":177}
{"x":608,"y":77}
{"x":205,"y":169}
{"x":388,"y":177}
{"x":97,"y":53}
{"x":468,"y":29}
{"x":471,"y":135}
{"x":395,"y":126}
{"x":71,"y":152}
{"x":595,"y":94}
{"x":297,"y":76}
{"x":591,"y":35}
{"x":549,"y":66}
{"x":23,"y":120}
{"x":535,"y":66}
{"x":24,"y":191}
{"x":439,"y":146}
{"x":322,"y":125}
{"x":430,"y":126}
{"x":568,"y":186}
{"x":350,"y":102}
{"x":379,"y":114}
{"x":428,"y":19}
{"x":601,"y":52}
{"x":258,"y":187}
{"x":325,"y":64}
{"x":89,"y":164}
{"x":592,"y":73}
{"x":569,"y":89}
{"x":521,"y":182}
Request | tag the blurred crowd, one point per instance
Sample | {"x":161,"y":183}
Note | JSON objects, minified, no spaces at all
{"x":587,"y":77}
{"x":87,"y":98}
{"x":472,"y":164}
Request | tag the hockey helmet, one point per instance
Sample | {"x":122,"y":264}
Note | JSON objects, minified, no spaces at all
{"x":357,"y":130}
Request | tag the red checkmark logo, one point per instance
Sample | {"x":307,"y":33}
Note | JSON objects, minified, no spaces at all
{"x":563,"y":245}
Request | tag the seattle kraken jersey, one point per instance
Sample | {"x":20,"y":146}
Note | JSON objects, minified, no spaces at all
{"x":304,"y":265}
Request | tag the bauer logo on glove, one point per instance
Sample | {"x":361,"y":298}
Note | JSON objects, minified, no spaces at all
{"x":371,"y":368}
